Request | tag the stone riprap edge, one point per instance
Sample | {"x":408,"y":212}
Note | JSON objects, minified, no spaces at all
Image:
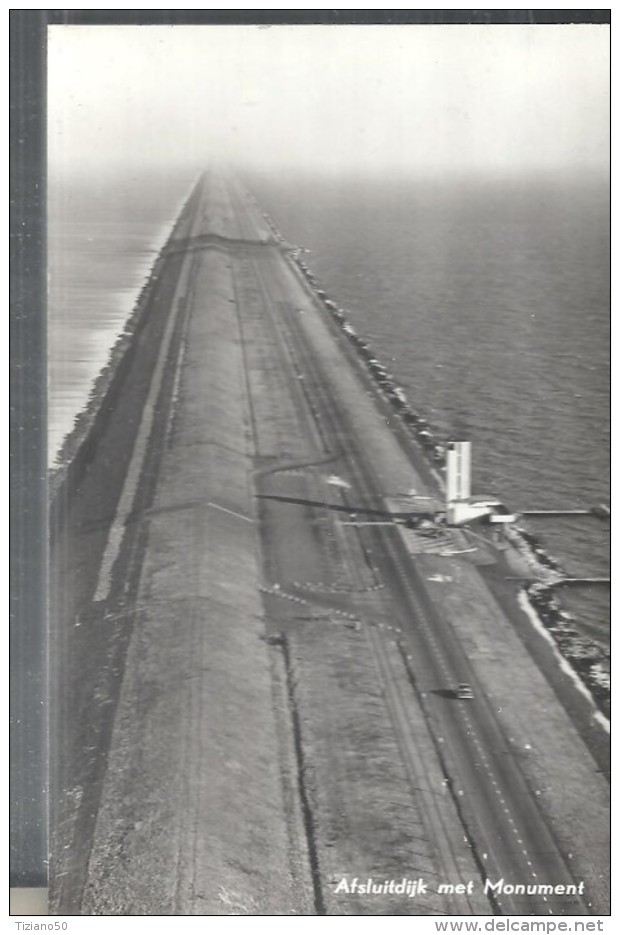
{"x":586,"y":657}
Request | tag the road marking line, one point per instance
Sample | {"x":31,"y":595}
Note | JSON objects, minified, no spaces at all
{"x":444,"y":669}
{"x":177,"y":375}
{"x":224,"y":509}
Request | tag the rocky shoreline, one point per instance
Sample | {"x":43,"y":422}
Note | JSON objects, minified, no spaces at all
{"x":588,"y":659}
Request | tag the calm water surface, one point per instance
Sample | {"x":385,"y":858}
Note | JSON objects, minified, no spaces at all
{"x":103,"y":237}
{"x":490,"y":301}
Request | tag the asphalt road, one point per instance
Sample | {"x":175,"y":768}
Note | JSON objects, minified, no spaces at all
{"x":507,"y":828}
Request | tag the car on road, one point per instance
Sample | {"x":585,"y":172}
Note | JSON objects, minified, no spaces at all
{"x":464,"y":692}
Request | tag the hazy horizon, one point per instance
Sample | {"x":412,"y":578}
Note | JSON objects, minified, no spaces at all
{"x":408,"y":101}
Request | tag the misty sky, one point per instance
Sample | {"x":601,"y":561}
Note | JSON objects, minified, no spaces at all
{"x":412,"y":99}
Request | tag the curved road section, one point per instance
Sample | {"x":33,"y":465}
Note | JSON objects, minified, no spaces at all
{"x":253,"y":668}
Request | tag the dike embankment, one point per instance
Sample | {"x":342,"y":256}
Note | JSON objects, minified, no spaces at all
{"x":191,"y":804}
{"x":493,"y":628}
{"x":87,"y":640}
{"x":549,"y":624}
{"x":167,"y":793}
{"x":241,"y":725}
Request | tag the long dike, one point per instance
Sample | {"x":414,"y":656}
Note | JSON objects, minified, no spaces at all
{"x":541,"y":572}
{"x":249,"y":695}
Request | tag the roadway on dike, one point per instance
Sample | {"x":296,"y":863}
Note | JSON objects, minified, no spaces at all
{"x":251,"y":699}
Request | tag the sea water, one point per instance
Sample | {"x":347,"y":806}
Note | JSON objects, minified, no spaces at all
{"x":489,"y":302}
{"x":488,"y":299}
{"x":103,"y":235}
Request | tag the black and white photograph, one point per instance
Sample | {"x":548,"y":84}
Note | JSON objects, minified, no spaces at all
{"x":327,"y":359}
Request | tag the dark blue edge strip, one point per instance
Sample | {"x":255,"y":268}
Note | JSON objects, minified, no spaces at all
{"x":28,"y":462}
{"x":28,"y":494}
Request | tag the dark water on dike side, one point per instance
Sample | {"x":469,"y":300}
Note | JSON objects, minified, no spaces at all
{"x":489,"y":302}
{"x":103,"y":235}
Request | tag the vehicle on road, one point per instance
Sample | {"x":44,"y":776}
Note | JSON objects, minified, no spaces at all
{"x":464,"y":692}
